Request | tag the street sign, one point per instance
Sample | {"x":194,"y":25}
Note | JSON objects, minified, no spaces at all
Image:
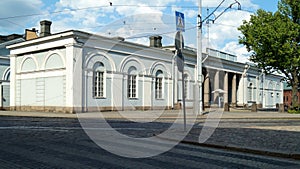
{"x":180,"y":25}
{"x":179,"y":45}
{"x":179,"y":41}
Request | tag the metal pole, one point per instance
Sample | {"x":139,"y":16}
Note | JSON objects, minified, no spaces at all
{"x":173,"y":80}
{"x":183,"y":100}
{"x":199,"y":55}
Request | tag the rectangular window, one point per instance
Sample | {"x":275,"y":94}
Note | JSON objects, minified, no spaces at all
{"x":131,"y":86}
{"x":250,"y":94}
{"x":158,"y":88}
{"x":99,"y":84}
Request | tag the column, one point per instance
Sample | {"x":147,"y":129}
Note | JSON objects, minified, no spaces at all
{"x":233,"y":99}
{"x":13,"y":80}
{"x":226,"y":87}
{"x":206,"y":89}
{"x":73,"y":84}
{"x":216,"y":86}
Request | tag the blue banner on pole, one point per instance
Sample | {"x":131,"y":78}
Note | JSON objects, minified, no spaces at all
{"x":180,"y":25}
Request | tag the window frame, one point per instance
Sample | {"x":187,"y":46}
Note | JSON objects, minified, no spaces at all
{"x":99,"y":81}
{"x":159,"y":85}
{"x":132,"y":86}
{"x":132,"y":83}
{"x":250,"y":92}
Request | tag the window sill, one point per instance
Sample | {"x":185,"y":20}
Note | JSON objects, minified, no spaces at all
{"x":159,"y":99}
{"x":99,"y":97}
{"x":133,"y":98}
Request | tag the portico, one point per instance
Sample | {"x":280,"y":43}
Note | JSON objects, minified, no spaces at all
{"x":216,"y":80}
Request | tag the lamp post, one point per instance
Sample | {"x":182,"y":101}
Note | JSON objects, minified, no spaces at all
{"x":199,"y":56}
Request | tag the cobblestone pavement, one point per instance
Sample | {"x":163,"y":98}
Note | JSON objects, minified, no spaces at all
{"x":278,"y":137}
{"x":271,"y":133}
{"x":38,"y":142}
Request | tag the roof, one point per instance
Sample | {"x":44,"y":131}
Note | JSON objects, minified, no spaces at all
{"x":287,"y":87}
{"x":5,"y":38}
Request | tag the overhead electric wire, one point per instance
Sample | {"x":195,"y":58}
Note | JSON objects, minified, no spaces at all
{"x":244,"y":10}
{"x":11,"y":22}
{"x":164,"y":33}
{"x":95,"y":7}
{"x":103,"y":6}
{"x":112,"y":5}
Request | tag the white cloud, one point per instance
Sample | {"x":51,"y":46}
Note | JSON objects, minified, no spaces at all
{"x":238,"y":50}
{"x":130,"y":18}
{"x":224,"y":30}
{"x":244,"y":3}
{"x":101,"y":13}
{"x":11,"y":8}
{"x":143,"y":41}
{"x":140,"y":9}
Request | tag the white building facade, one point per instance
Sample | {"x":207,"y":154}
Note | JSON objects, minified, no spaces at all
{"x":75,"y":71}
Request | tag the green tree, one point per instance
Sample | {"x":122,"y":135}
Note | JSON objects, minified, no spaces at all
{"x":274,"y":39}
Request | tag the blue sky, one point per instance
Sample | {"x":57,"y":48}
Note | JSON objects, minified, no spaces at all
{"x":134,"y":19}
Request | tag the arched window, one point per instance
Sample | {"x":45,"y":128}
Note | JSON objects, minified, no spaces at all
{"x":99,"y":80}
{"x":132,"y":82}
{"x":271,"y":85}
{"x":28,"y":65}
{"x":6,"y":74}
{"x":54,"y":61}
{"x":7,"y":77}
{"x":250,"y":91}
{"x":159,"y":84}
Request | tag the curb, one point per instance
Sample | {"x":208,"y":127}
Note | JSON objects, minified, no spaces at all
{"x":57,"y":115}
{"x":37,"y":116}
{"x":244,"y":150}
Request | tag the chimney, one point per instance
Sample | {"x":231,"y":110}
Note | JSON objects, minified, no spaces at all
{"x":155,"y":41}
{"x":30,"y":34}
{"x":45,"y":28}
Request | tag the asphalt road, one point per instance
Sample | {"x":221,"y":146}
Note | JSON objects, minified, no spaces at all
{"x":29,"y":142}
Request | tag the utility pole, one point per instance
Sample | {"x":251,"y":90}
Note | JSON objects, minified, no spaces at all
{"x":199,"y":44}
{"x":199,"y":56}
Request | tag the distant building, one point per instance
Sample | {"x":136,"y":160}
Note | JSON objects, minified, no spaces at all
{"x":287,"y":97}
{"x":76,"y":71}
{"x":5,"y":69}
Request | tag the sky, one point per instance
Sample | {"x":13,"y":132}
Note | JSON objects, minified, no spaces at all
{"x":136,"y":20}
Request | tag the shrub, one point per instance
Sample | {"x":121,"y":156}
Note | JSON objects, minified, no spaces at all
{"x":292,"y":111}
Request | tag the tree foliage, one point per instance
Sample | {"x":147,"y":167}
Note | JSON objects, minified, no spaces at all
{"x":274,"y":39}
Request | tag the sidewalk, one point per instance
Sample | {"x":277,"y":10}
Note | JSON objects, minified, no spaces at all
{"x":266,"y":133}
{"x":259,"y":136}
{"x":157,"y":113}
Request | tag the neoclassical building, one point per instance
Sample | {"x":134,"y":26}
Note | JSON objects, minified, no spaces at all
{"x":76,"y":71}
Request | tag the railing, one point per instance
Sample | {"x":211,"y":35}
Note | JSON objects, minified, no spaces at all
{"x":221,"y":55}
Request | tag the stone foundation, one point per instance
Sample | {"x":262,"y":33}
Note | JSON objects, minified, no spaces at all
{"x":88,"y":109}
{"x":44,"y":109}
